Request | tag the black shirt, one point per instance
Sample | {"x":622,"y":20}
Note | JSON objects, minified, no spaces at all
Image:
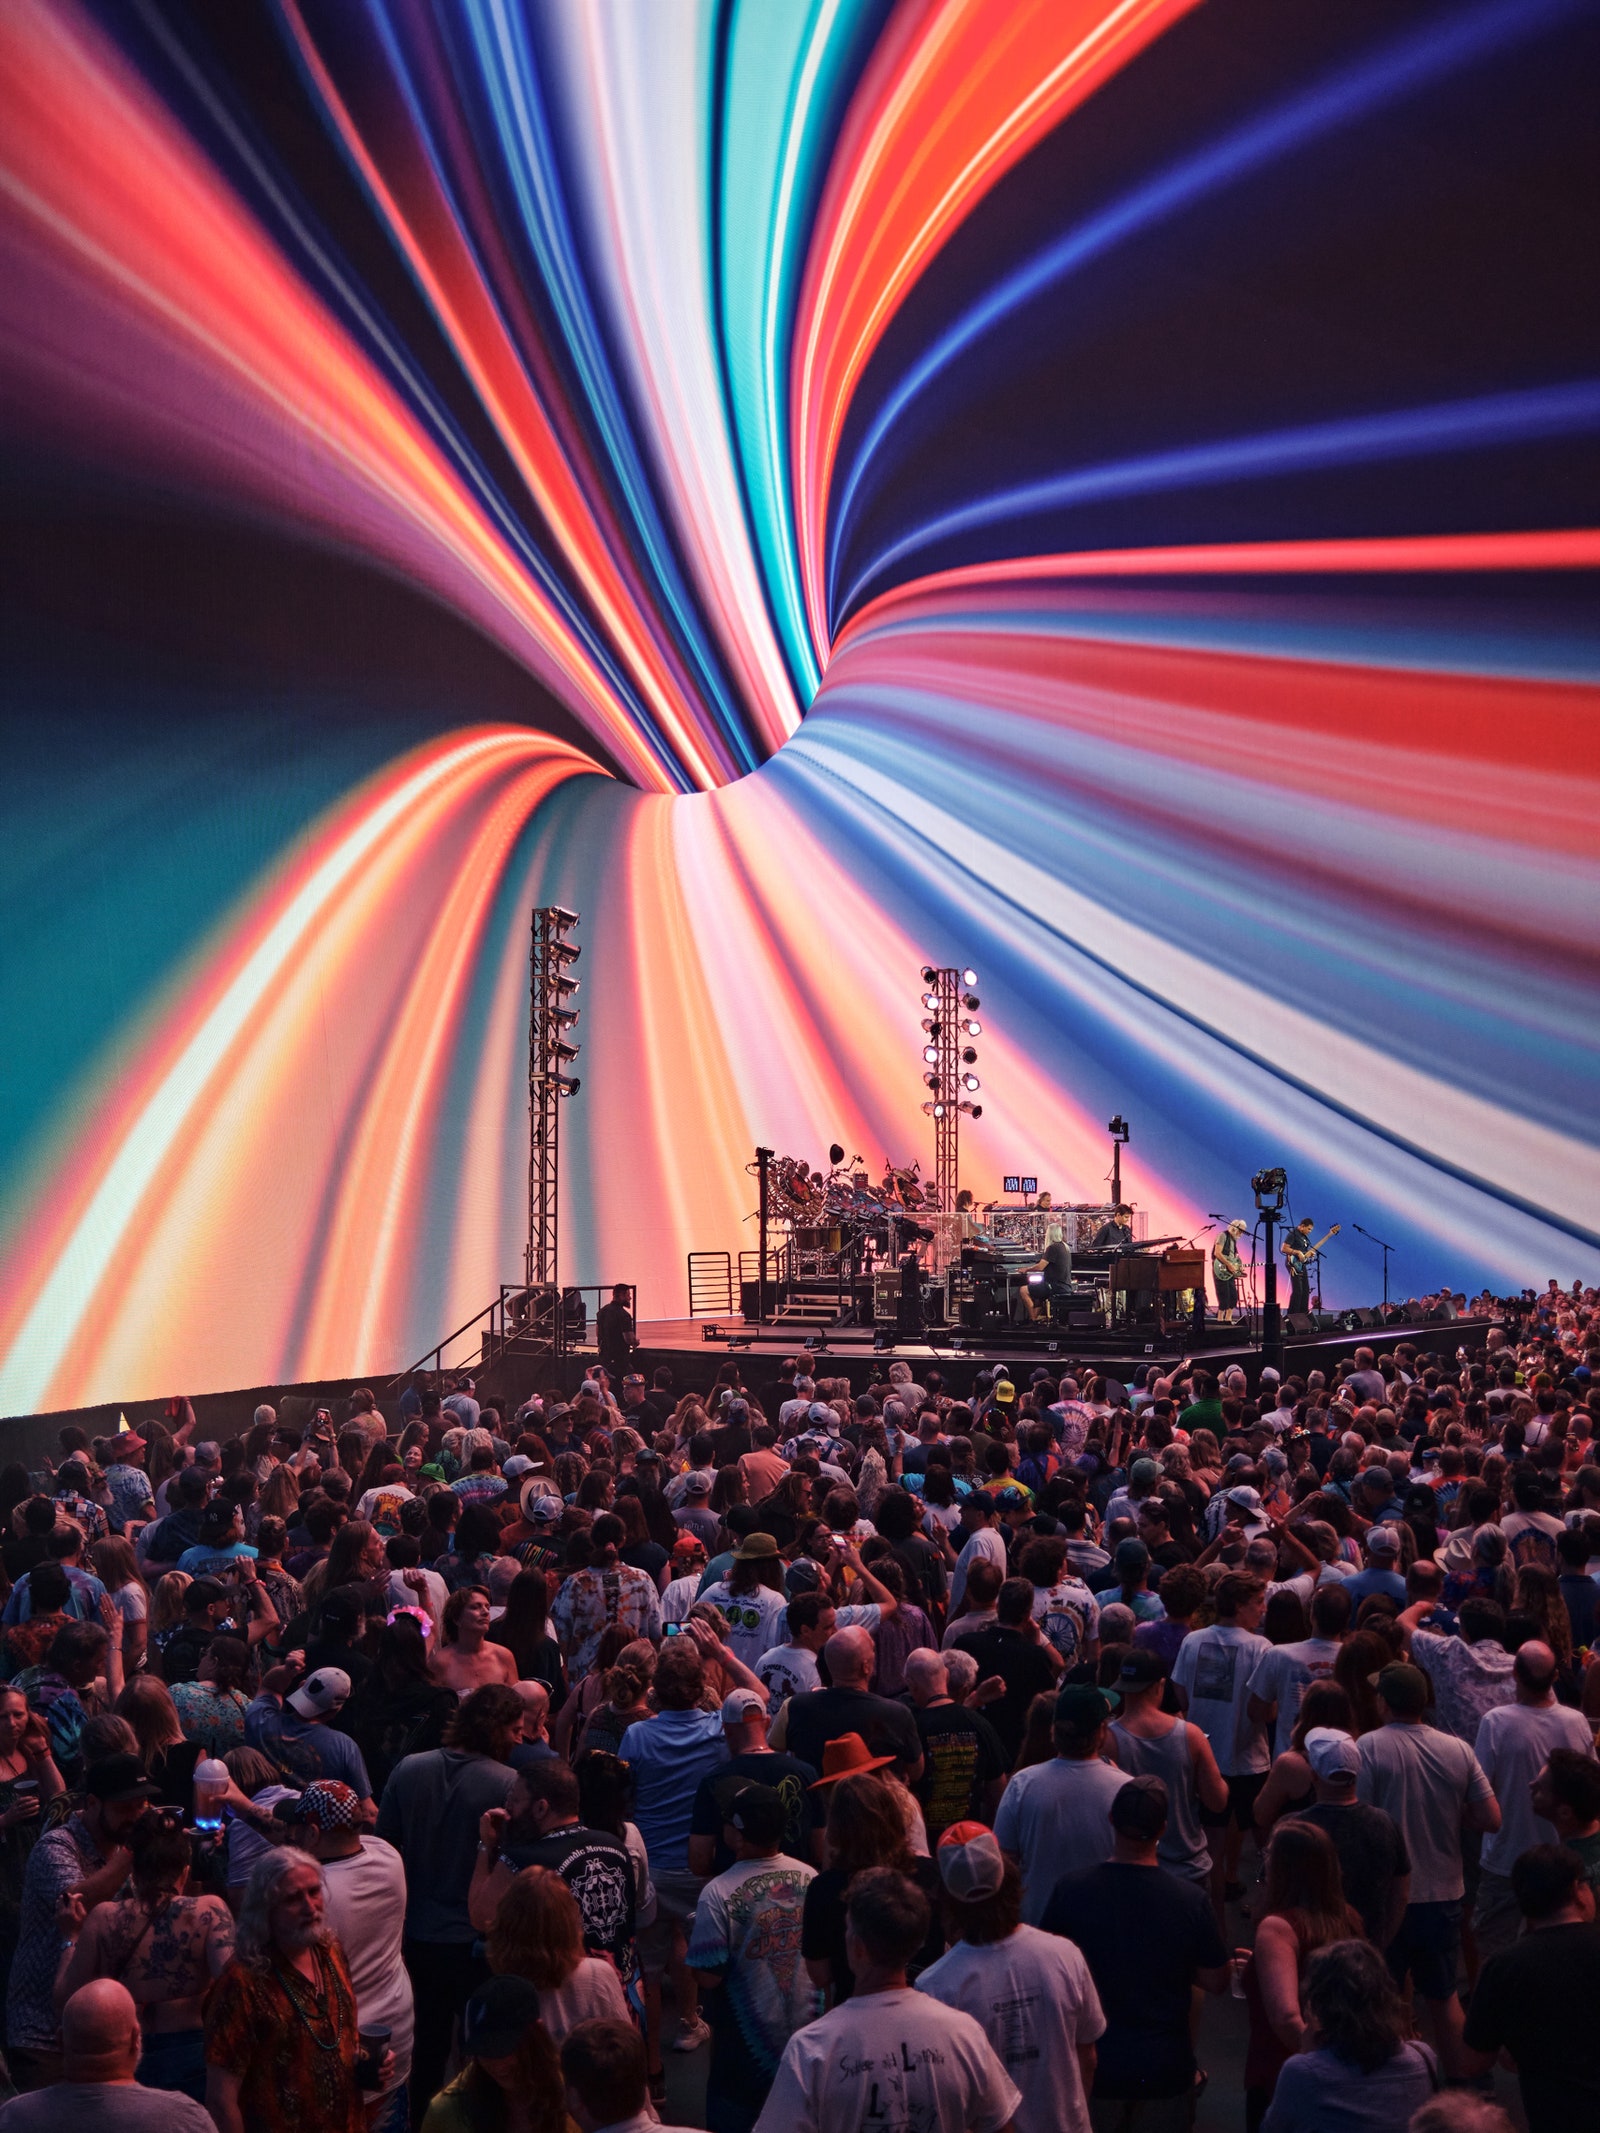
{"x":823,"y":1715}
{"x":786,"y":1775}
{"x":598,"y":1869}
{"x":1372,"y":1856}
{"x":1024,"y":1669}
{"x":1144,"y":1934}
{"x":926,"y":1582}
{"x":823,"y":1919}
{"x":961,"y":1754}
{"x":613,"y":1333}
{"x":1537,"y":2000}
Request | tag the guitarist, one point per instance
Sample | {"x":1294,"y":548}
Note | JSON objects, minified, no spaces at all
{"x":1227,"y":1268}
{"x":1298,"y":1252}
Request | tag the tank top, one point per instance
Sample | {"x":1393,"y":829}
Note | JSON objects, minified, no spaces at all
{"x":1183,"y":1848}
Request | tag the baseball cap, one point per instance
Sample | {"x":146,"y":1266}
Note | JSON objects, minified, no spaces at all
{"x":498,"y":2017}
{"x":737,"y":1707}
{"x":1080,"y":1706}
{"x":1333,"y":1755}
{"x":328,"y":1803}
{"x":759,"y":1813}
{"x":1246,"y":1498}
{"x":1142,"y":1667}
{"x":1383,"y":1540}
{"x":802,"y":1575}
{"x":1143,"y":1470}
{"x":516,"y":1466}
{"x":971,"y":1864}
{"x":1403,"y":1688}
{"x":697,"y":1485}
{"x":117,"y":1778}
{"x":1004,"y":1392}
{"x":1132,"y":1556}
{"x":1139,"y":1808}
{"x":634,"y":1377}
{"x":822,"y":1414}
{"x":1011,"y":1498}
{"x":324,"y":1691}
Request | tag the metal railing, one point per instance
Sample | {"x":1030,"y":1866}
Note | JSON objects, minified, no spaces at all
{"x":711,"y":1285}
{"x":530,"y":1320}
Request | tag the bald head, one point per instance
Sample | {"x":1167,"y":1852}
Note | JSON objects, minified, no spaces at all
{"x":535,"y":1698}
{"x":925,"y":1676}
{"x":849,"y":1653}
{"x":1535,"y":1671}
{"x":100,"y":2038}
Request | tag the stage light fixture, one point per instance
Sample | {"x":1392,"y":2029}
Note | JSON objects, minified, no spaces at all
{"x":566,"y":1085}
{"x":930,"y":999}
{"x":930,"y":1053}
{"x":930,"y":976}
{"x":564,"y":951}
{"x":969,"y":977}
{"x":564,"y":1052}
{"x":972,"y":1110}
{"x":973,"y":1029}
{"x":927,"y":1110}
{"x":564,"y":988}
{"x":931,"y":1026}
{"x":971,"y":1002}
{"x":931,"y":1080}
{"x":969,"y":1057}
{"x":938,"y":1110}
{"x":563,"y":1017}
{"x":971,"y":1081}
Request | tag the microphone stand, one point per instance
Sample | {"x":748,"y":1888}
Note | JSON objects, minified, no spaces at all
{"x":1386,"y":1249}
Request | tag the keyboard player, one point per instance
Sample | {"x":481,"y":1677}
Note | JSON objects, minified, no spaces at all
{"x":1047,"y":1281}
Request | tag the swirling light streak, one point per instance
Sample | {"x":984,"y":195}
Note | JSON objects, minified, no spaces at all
{"x":1281,"y":845}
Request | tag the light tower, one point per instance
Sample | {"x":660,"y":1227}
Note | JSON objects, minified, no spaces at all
{"x":550,"y":1052}
{"x":950,"y":1022}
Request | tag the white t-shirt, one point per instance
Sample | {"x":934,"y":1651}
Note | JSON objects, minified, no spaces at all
{"x":403,"y":1595}
{"x":757,"y":1621}
{"x":680,"y":1596}
{"x":130,"y":1601}
{"x":1056,"y":1817}
{"x":592,"y":1993}
{"x":1422,"y":1779}
{"x":1283,"y":1674}
{"x":1513,"y":1745}
{"x":367,"y":1911}
{"x":788,"y":1670}
{"x":889,"y":2062}
{"x":1032,"y":1996}
{"x":1215,"y":1666}
{"x":985,"y":1543}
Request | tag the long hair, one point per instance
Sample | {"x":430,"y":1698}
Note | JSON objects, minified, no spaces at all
{"x":1351,"y":1998}
{"x":115,"y":1563}
{"x":252,"y":1940}
{"x":1362,"y":1653}
{"x":538,"y":2083}
{"x":147,"y":1705}
{"x":1305,"y":1885}
{"x":1323,"y":1704}
{"x":764,"y":1571}
{"x":538,"y":1931}
{"x":522,"y":1628}
{"x":1538,"y":1596}
{"x":867,"y":1826}
{"x":166,"y":1601}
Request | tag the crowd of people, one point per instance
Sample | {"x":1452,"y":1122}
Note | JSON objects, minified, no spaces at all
{"x":896,"y":1761}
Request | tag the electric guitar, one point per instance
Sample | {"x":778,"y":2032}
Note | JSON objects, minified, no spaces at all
{"x":1300,"y":1256}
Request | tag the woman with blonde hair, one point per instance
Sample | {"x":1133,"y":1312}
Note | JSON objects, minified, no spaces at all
{"x":538,"y":1935}
{"x":625,"y":1692}
{"x":117,"y":1568}
{"x":1305,"y":1910}
{"x":280,"y":1494}
{"x":166,"y":1601}
{"x":167,"y":1755}
{"x":866,"y":1828}
{"x":1537,"y":1598}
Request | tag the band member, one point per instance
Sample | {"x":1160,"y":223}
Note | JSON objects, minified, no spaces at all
{"x":1300,"y":1252}
{"x":1117,"y":1234}
{"x":1227,"y":1268}
{"x":1049,"y":1277}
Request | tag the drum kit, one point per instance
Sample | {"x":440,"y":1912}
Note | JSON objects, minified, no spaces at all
{"x":825,"y":1208}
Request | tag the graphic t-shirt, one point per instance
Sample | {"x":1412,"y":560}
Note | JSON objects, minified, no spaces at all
{"x":786,"y":1775}
{"x":889,"y":2062}
{"x":756,"y":1620}
{"x":1068,"y":1617}
{"x":596,"y":1866}
{"x":1282,"y":1675}
{"x":1216,"y":1666}
{"x":1035,"y":2001}
{"x":788,"y":1670}
{"x":746,"y":1929}
{"x":961,"y":1753}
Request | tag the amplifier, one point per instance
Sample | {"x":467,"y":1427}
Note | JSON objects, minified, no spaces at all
{"x":886,"y":1296}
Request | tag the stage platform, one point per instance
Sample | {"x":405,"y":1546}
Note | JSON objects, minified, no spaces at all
{"x":854,"y":1352}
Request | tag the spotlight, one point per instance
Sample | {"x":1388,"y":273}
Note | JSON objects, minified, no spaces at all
{"x":971,"y":1082}
{"x":563,"y":1017}
{"x":927,"y":1110}
{"x":564,"y":1052}
{"x":969,"y":977}
{"x":566,"y":987}
{"x":972,"y":1110}
{"x":564,"y":951}
{"x":973,"y":1029}
{"x":930,"y":976}
{"x":939,"y":1110}
{"x":930,"y":1052}
{"x":969,"y":1057}
{"x":930,"y":999}
{"x":971,"y":1002}
{"x":932,"y":1027}
{"x":1118,"y":1128}
{"x":566,"y":1084}
{"x":930,"y":1081}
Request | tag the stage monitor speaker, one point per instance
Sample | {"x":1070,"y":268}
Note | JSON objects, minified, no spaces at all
{"x":1299,"y":1322}
{"x":1369,"y":1318}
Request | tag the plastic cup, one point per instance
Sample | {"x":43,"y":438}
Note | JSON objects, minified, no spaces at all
{"x":373,"y":2039}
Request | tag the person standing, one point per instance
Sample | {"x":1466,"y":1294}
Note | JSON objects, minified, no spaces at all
{"x":744,"y":1950}
{"x":1214,"y":1668}
{"x":101,"y":2045}
{"x":963,"y":1763}
{"x":1359,"y":2066}
{"x":828,"y":1714}
{"x":1285,"y":1671}
{"x":1374,"y":1864}
{"x":430,"y":1814}
{"x":539,"y":1826}
{"x":1149,"y":1742}
{"x":1536,"y":1999}
{"x":752,"y":1761}
{"x":1014,"y":1650}
{"x":1030,"y":1992}
{"x":1304,"y":1909}
{"x":281,"y":2030}
{"x":1149,"y":1940}
{"x":1513,"y":1745}
{"x":889,"y":2056}
{"x":1431,"y":1785}
{"x":1054,"y":1817}
{"x":364,"y":1885}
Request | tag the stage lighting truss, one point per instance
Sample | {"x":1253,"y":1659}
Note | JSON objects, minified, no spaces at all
{"x":951,"y":1007}
{"x":551,"y":1049}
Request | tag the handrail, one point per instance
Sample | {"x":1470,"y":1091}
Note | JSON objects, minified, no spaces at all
{"x":436,"y":1353}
